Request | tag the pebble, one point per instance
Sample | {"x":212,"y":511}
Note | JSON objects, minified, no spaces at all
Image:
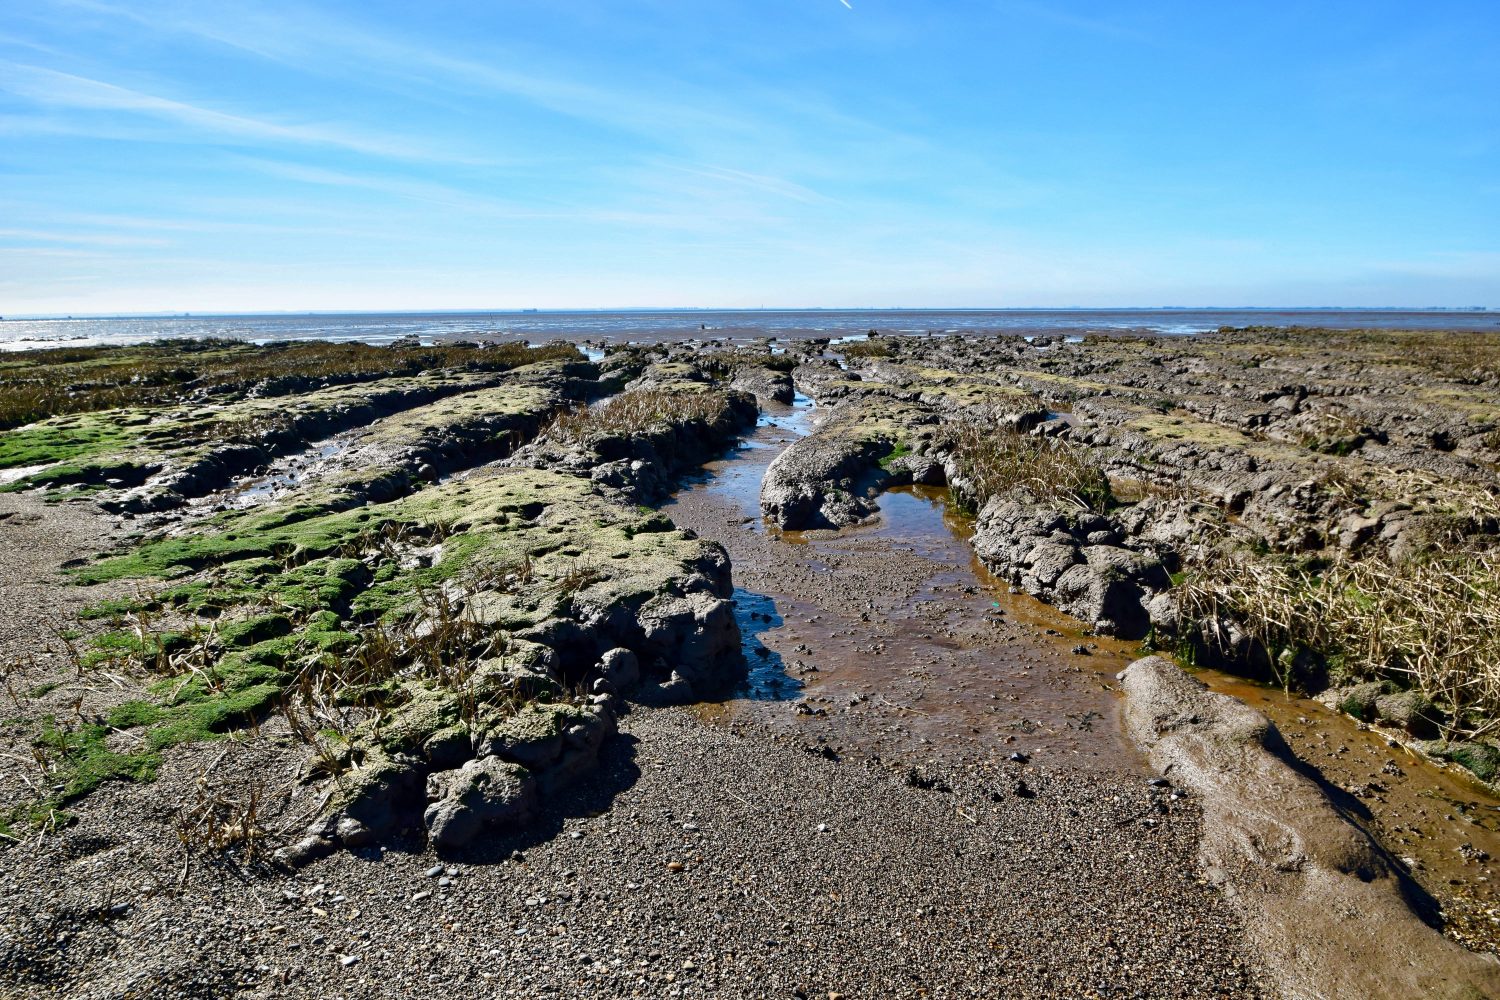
{"x":434,"y":871}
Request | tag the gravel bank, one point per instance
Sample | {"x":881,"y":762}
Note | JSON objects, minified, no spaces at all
{"x":800,"y":876}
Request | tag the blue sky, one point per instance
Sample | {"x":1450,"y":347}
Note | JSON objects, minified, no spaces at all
{"x":173,"y":156}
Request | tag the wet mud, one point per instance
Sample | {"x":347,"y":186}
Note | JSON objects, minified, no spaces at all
{"x":889,"y":640}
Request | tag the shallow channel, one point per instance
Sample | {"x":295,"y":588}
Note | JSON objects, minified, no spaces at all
{"x":890,"y":640}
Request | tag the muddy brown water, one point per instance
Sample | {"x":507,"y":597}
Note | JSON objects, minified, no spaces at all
{"x":890,"y":640}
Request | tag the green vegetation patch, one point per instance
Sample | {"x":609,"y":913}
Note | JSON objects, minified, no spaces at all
{"x":898,"y":452}
{"x":67,"y":440}
{"x":36,"y":385}
{"x":82,"y":760}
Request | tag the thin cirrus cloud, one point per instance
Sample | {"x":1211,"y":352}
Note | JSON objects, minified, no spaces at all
{"x":54,"y":88}
{"x":81,"y":239}
{"x":664,"y":109}
{"x":981,"y":151}
{"x":309,"y":41}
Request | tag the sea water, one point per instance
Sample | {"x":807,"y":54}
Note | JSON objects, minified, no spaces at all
{"x":649,"y":326}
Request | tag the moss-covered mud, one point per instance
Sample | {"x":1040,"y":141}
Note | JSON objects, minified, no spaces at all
{"x":407,"y":596}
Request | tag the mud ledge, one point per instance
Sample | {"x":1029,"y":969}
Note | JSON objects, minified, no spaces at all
{"x":470,"y":641}
{"x":1328,"y":909}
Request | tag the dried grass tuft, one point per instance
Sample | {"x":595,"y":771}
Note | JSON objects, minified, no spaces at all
{"x":1432,"y":624}
{"x":990,"y":461}
{"x":636,"y":412}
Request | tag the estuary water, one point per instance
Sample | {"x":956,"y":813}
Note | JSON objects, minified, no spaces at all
{"x":651,"y":326}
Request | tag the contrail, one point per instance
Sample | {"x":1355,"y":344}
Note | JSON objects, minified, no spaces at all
{"x":846,"y":3}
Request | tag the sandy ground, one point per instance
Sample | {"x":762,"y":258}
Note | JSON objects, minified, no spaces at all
{"x":700,"y":863}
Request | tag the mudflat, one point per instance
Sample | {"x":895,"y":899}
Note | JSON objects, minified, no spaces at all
{"x":785,"y":668}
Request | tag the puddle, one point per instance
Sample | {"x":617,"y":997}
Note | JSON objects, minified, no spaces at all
{"x":736,"y":477}
{"x":766,"y":678}
{"x":18,"y":473}
{"x":283,"y":475}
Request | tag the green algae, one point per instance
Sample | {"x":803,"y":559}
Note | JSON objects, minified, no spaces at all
{"x":66,"y":440}
{"x":316,"y":588}
{"x":109,"y":608}
{"x":83,"y":760}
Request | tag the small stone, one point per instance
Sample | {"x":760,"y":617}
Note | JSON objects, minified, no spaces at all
{"x":822,"y":827}
{"x":348,"y":960}
{"x":434,"y":871}
{"x":674,"y":866}
{"x":353,"y":833}
{"x":1019,"y":758}
{"x":417,"y":897}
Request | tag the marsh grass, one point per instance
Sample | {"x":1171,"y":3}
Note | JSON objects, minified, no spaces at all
{"x":864,"y":349}
{"x":636,"y":412}
{"x":1462,"y":356}
{"x":38,"y":384}
{"x":1432,"y":624}
{"x":723,"y":363}
{"x":991,"y":461}
{"x":218,"y":818}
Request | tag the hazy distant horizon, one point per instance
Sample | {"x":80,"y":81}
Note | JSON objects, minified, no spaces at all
{"x":625,"y":310}
{"x":666,"y":325}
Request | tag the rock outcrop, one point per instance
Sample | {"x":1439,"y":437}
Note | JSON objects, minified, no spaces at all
{"x":1072,"y":558}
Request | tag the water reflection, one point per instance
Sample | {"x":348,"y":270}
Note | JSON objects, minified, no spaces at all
{"x":766,"y":678}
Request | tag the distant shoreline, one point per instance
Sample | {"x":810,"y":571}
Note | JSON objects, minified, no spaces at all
{"x":665,"y":310}
{"x":738,"y":325}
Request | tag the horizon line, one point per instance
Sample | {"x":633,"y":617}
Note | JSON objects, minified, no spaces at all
{"x":212,"y":314}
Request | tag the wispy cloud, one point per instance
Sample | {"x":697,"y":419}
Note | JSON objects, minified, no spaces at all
{"x":57,"y":89}
{"x":665,"y":108}
{"x":81,"y":239}
{"x":312,"y":41}
{"x":775,"y":186}
{"x":419,"y":191}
